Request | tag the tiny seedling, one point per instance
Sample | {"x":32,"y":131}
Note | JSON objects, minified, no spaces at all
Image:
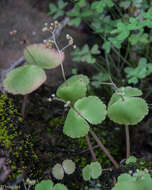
{"x":48,"y":185}
{"x":93,"y":170}
{"x":68,"y":167}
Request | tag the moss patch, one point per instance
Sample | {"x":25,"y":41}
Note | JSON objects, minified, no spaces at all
{"x":14,"y":139}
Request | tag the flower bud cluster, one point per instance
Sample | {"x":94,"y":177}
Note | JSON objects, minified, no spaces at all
{"x":30,"y":182}
{"x":13,"y":32}
{"x":67,"y":104}
{"x":70,"y":41}
{"x":51,"y":27}
{"x":48,"y":43}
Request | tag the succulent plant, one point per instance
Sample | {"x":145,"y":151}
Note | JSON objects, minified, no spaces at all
{"x":68,"y":167}
{"x":25,"y":79}
{"x":88,"y":109}
{"x":92,"y":170}
{"x":48,"y":185}
{"x":125,"y":107}
{"x":73,"y":89}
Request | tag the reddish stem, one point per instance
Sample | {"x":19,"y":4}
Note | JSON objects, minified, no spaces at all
{"x":91,"y":148}
{"x":116,"y":165}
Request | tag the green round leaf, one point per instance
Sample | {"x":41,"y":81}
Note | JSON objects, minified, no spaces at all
{"x":127,"y":185}
{"x":44,"y":185}
{"x":75,"y":126}
{"x":58,"y":171}
{"x":69,"y":166}
{"x":124,"y":91}
{"x":60,"y":186}
{"x":146,"y":181}
{"x":95,"y":169}
{"x":43,"y":57}
{"x":128,"y":112}
{"x":92,"y":109}
{"x":86,"y":173}
{"x":24,"y":80}
{"x":126,"y":177}
{"x":74,"y":88}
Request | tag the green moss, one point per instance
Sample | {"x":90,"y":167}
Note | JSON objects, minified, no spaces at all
{"x":13,"y":138}
{"x":37,"y":144}
{"x":106,"y":134}
{"x":108,"y":138}
{"x":57,"y":121}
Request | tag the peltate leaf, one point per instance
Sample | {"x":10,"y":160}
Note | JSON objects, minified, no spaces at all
{"x":129,"y":111}
{"x":74,"y":88}
{"x":128,"y":185}
{"x":69,"y":166}
{"x":60,"y":186}
{"x":96,"y":170}
{"x":44,"y":185}
{"x":92,"y":170}
{"x":58,"y":171}
{"x":126,"y":177}
{"x":24,"y":80}
{"x":124,"y":91}
{"x":92,"y":109}
{"x":86,"y":173}
{"x":45,"y":58}
{"x":75,"y":126}
{"x":146,"y":181}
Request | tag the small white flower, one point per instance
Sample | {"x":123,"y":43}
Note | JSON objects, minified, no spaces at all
{"x":49,"y":99}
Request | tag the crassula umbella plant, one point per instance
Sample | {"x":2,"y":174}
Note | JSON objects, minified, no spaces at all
{"x":49,"y":185}
{"x":67,"y":167}
{"x":84,"y":111}
{"x":125,"y":107}
{"x":25,"y":79}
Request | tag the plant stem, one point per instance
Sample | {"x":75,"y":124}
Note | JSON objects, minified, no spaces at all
{"x":107,"y":62}
{"x":23,"y":106}
{"x":116,"y":51}
{"x":116,"y":165}
{"x":127,"y":142}
{"x":60,"y":54}
{"x":91,"y":148}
